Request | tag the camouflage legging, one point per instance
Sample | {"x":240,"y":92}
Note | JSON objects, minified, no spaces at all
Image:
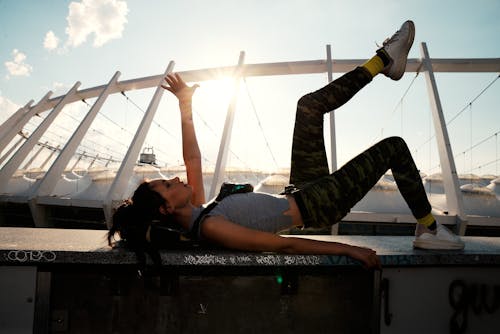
{"x":325,"y":198}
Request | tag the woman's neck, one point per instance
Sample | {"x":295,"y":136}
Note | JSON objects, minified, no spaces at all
{"x":183,"y":216}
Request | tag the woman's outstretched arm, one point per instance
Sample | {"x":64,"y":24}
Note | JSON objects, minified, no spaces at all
{"x":225,"y":233}
{"x":190,"y":149}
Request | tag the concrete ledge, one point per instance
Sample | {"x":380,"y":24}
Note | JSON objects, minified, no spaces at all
{"x":31,"y":246}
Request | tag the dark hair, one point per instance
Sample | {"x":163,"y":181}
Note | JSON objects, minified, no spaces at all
{"x":132,"y":219}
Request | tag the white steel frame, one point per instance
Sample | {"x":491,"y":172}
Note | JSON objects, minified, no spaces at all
{"x":40,"y":194}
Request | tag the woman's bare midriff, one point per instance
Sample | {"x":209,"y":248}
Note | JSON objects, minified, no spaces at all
{"x":294,"y":212}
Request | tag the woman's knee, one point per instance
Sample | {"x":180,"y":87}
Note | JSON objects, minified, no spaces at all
{"x":309,"y":106}
{"x":306,"y":101}
{"x":396,"y":142}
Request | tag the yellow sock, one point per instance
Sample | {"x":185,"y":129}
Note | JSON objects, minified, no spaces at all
{"x":427,"y":220}
{"x":375,"y":65}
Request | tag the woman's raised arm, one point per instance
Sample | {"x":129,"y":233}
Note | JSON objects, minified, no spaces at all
{"x":190,"y":149}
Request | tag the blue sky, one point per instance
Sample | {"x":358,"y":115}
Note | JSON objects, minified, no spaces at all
{"x":49,"y":45}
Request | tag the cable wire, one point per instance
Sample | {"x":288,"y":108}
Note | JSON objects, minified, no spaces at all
{"x":472,"y":101}
{"x":259,"y":123}
{"x":400,"y":103}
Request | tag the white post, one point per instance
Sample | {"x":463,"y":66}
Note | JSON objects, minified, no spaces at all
{"x":54,"y":151}
{"x":91,"y":163}
{"x":220,"y":165}
{"x":119,"y":185}
{"x":333,"y":138}
{"x":21,"y":122}
{"x":12,"y":149}
{"x":107,"y":163}
{"x":10,"y":167}
{"x":49,"y":181}
{"x":77,"y":161}
{"x":449,"y":172}
{"x":30,"y":161}
{"x":13,"y":119}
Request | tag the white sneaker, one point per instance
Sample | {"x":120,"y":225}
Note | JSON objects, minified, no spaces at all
{"x":441,"y":238}
{"x":397,"y":48}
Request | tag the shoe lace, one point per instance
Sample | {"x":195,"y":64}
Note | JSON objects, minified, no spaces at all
{"x":394,"y":38}
{"x":387,"y":40}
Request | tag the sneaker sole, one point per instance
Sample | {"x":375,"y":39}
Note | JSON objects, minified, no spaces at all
{"x":400,"y":70}
{"x":428,"y":244}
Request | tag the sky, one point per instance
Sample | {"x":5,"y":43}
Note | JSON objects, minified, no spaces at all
{"x":50,"y":45}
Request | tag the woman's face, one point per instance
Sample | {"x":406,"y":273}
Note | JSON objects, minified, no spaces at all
{"x":175,"y":193}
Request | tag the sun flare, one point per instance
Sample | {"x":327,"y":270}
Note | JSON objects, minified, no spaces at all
{"x":216,"y":94}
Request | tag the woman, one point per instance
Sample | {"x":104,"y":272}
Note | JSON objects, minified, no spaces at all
{"x":249,"y":221}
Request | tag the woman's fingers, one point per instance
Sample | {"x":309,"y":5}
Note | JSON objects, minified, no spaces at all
{"x":170,"y":80}
{"x":168,"y":88}
{"x":369,"y":258}
{"x":178,"y":87}
{"x":179,"y":79}
{"x":175,"y":81}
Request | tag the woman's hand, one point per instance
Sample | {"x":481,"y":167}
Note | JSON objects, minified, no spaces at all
{"x":178,"y":87}
{"x":366,"y":256}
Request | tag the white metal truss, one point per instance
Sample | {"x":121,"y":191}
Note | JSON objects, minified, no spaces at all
{"x":41,"y":193}
{"x":116,"y":192}
{"x":220,"y":165}
{"x":450,"y":177}
{"x":13,"y":164}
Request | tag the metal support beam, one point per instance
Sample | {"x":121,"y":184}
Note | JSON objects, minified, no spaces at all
{"x":30,"y":161}
{"x":13,"y":119}
{"x":77,"y":161}
{"x":333,"y":138}
{"x":285,"y":68}
{"x":46,"y":161}
{"x":333,"y":133}
{"x":449,"y":172}
{"x":11,"y":149}
{"x":110,"y":159}
{"x":220,"y":165}
{"x":10,"y":167}
{"x":49,"y":181}
{"x":119,"y":185}
{"x":92,"y":162}
{"x":11,"y":131}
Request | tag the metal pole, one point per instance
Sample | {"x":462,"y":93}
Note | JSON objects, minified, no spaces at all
{"x":49,"y":181}
{"x":13,"y":119}
{"x":77,"y":161}
{"x":12,"y":149}
{"x":21,"y":122}
{"x":333,"y":140}
{"x":119,"y":185}
{"x":54,"y":151}
{"x":220,"y":165}
{"x":10,"y":167}
{"x":93,"y":161}
{"x":30,"y":161}
{"x":449,"y":172}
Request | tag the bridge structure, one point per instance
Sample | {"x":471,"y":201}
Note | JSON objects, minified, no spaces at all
{"x":41,"y":195}
{"x":64,"y":280}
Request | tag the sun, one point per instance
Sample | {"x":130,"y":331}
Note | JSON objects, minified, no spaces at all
{"x":215,"y":95}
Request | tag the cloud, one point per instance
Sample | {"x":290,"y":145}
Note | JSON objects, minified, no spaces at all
{"x":17,"y":67}
{"x":105,"y":19}
{"x":51,"y":41}
{"x":57,"y":88}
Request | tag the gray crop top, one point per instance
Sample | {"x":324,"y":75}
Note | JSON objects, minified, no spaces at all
{"x":258,"y":211}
